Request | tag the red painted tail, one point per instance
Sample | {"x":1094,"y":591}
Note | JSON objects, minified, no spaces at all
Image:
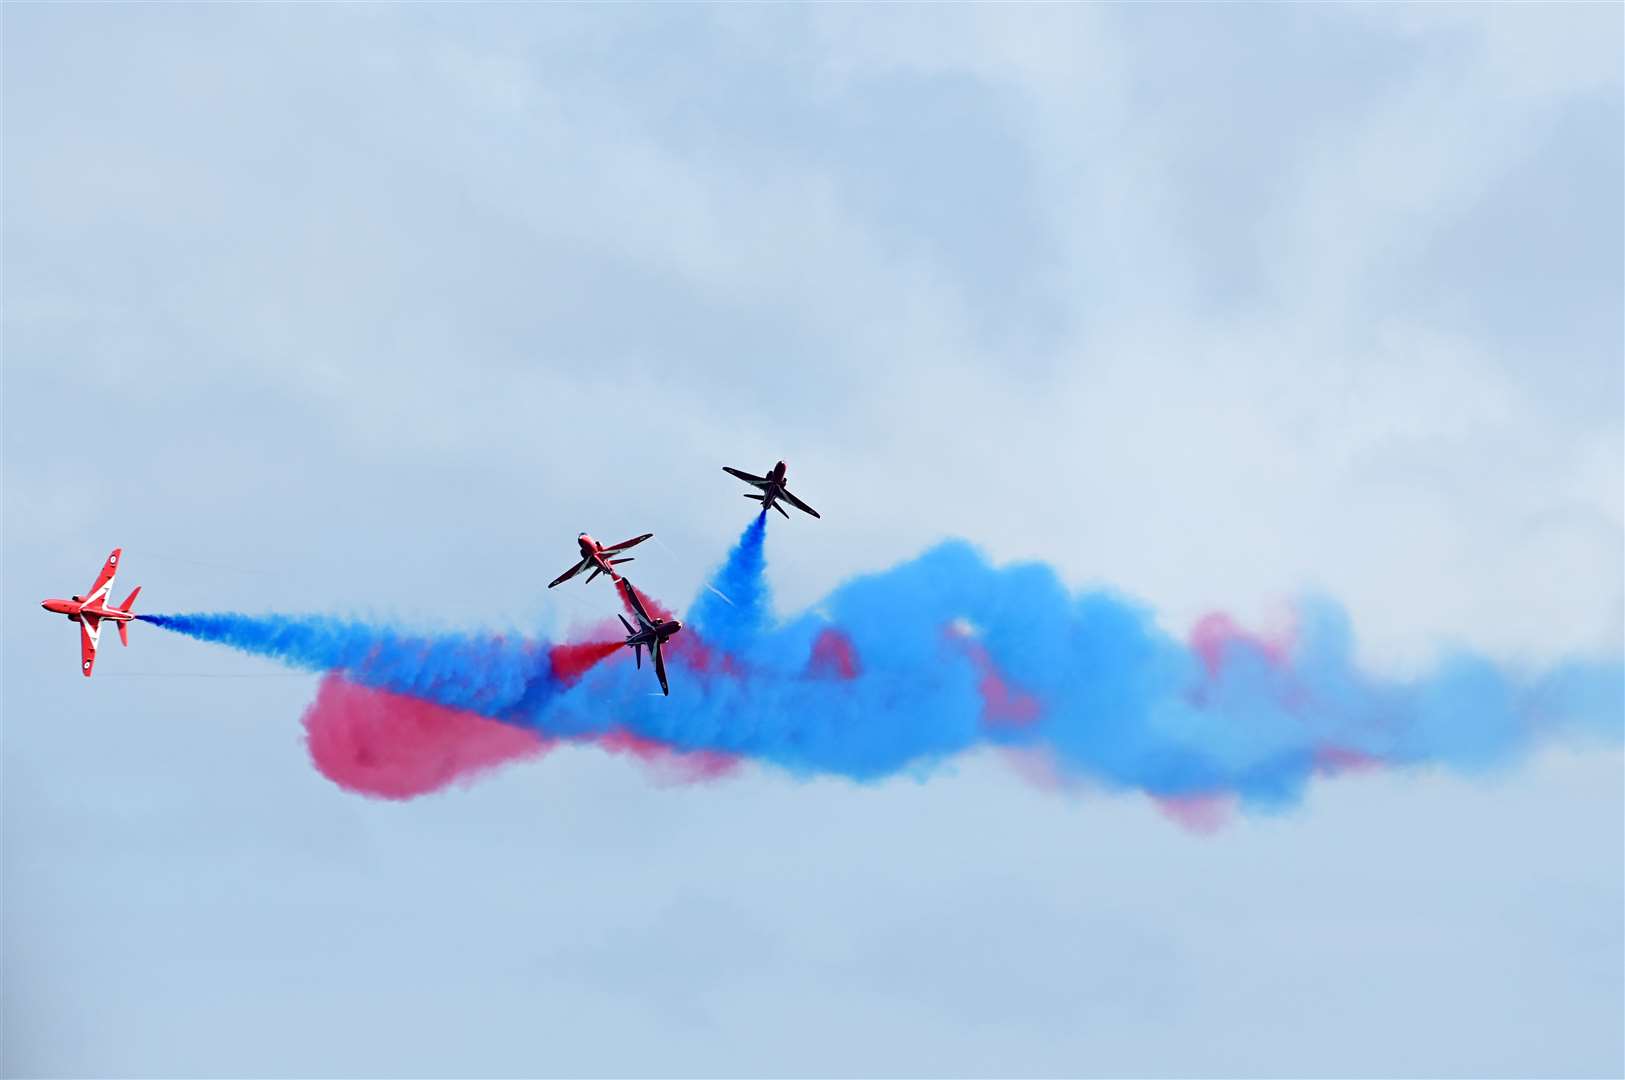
{"x":124,"y":624}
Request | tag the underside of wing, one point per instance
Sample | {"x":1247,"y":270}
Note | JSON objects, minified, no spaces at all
{"x":749,"y":478}
{"x":104,"y":580}
{"x":637,"y":604}
{"x":797,"y":503}
{"x":570,"y":573}
{"x":89,"y":635}
{"x":634,"y":542}
{"x":660,"y":668}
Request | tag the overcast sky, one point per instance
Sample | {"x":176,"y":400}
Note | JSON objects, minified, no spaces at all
{"x":370,"y":309}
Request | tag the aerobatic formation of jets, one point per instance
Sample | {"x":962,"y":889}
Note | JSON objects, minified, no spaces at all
{"x":92,"y":609}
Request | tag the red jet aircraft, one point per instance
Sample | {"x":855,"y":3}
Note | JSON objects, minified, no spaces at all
{"x":597,"y":556}
{"x":648,"y":634}
{"x":89,"y":611}
{"x":772,"y":488}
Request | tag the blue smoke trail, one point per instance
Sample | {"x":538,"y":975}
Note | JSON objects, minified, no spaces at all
{"x":733,"y":609}
{"x":491,"y":675}
{"x":946,"y":653}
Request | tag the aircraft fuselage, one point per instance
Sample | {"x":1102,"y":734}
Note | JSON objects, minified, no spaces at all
{"x":593,"y":551}
{"x":658,"y":631}
{"x":76,"y":607}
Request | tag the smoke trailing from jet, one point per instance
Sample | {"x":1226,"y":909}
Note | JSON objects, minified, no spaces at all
{"x":733,"y":608}
{"x":899,"y":670}
{"x":487,"y":674}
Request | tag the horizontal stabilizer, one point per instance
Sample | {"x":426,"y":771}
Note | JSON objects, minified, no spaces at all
{"x":752,"y":495}
{"x":124,"y":633}
{"x":617,"y":562}
{"x":129,"y":600}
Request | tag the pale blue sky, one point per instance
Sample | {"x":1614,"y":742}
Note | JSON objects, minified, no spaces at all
{"x":368,"y":309}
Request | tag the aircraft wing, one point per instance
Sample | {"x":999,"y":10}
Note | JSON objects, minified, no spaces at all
{"x":104,"y":580}
{"x":90,"y":632}
{"x":634,"y":542}
{"x":660,"y":668}
{"x":570,"y":573}
{"x":637,"y":605}
{"x":797,"y":503}
{"x":749,"y":478}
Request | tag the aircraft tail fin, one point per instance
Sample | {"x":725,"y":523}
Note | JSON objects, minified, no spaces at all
{"x":753,"y":495}
{"x":617,"y":562}
{"x":595,"y":572}
{"x":624,"y":623}
{"x":124,"y":624}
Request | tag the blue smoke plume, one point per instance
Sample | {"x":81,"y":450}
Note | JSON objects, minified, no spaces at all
{"x":733,"y":608}
{"x":491,"y":675}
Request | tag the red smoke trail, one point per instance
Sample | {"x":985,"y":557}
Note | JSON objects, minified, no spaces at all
{"x":833,"y":656}
{"x":1215,"y":639}
{"x":570,"y":662}
{"x":395,"y":747}
{"x":1336,"y":760}
{"x":1216,"y":633}
{"x":1002,"y":705}
{"x":672,"y":766}
{"x":1200,"y":814}
{"x":654,"y":607}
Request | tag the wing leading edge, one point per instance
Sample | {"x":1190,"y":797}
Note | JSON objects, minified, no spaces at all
{"x":90,"y":632}
{"x":797,"y":503}
{"x":570,"y":573}
{"x":624,"y":544}
{"x":104,"y":580}
{"x":660,"y":667}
